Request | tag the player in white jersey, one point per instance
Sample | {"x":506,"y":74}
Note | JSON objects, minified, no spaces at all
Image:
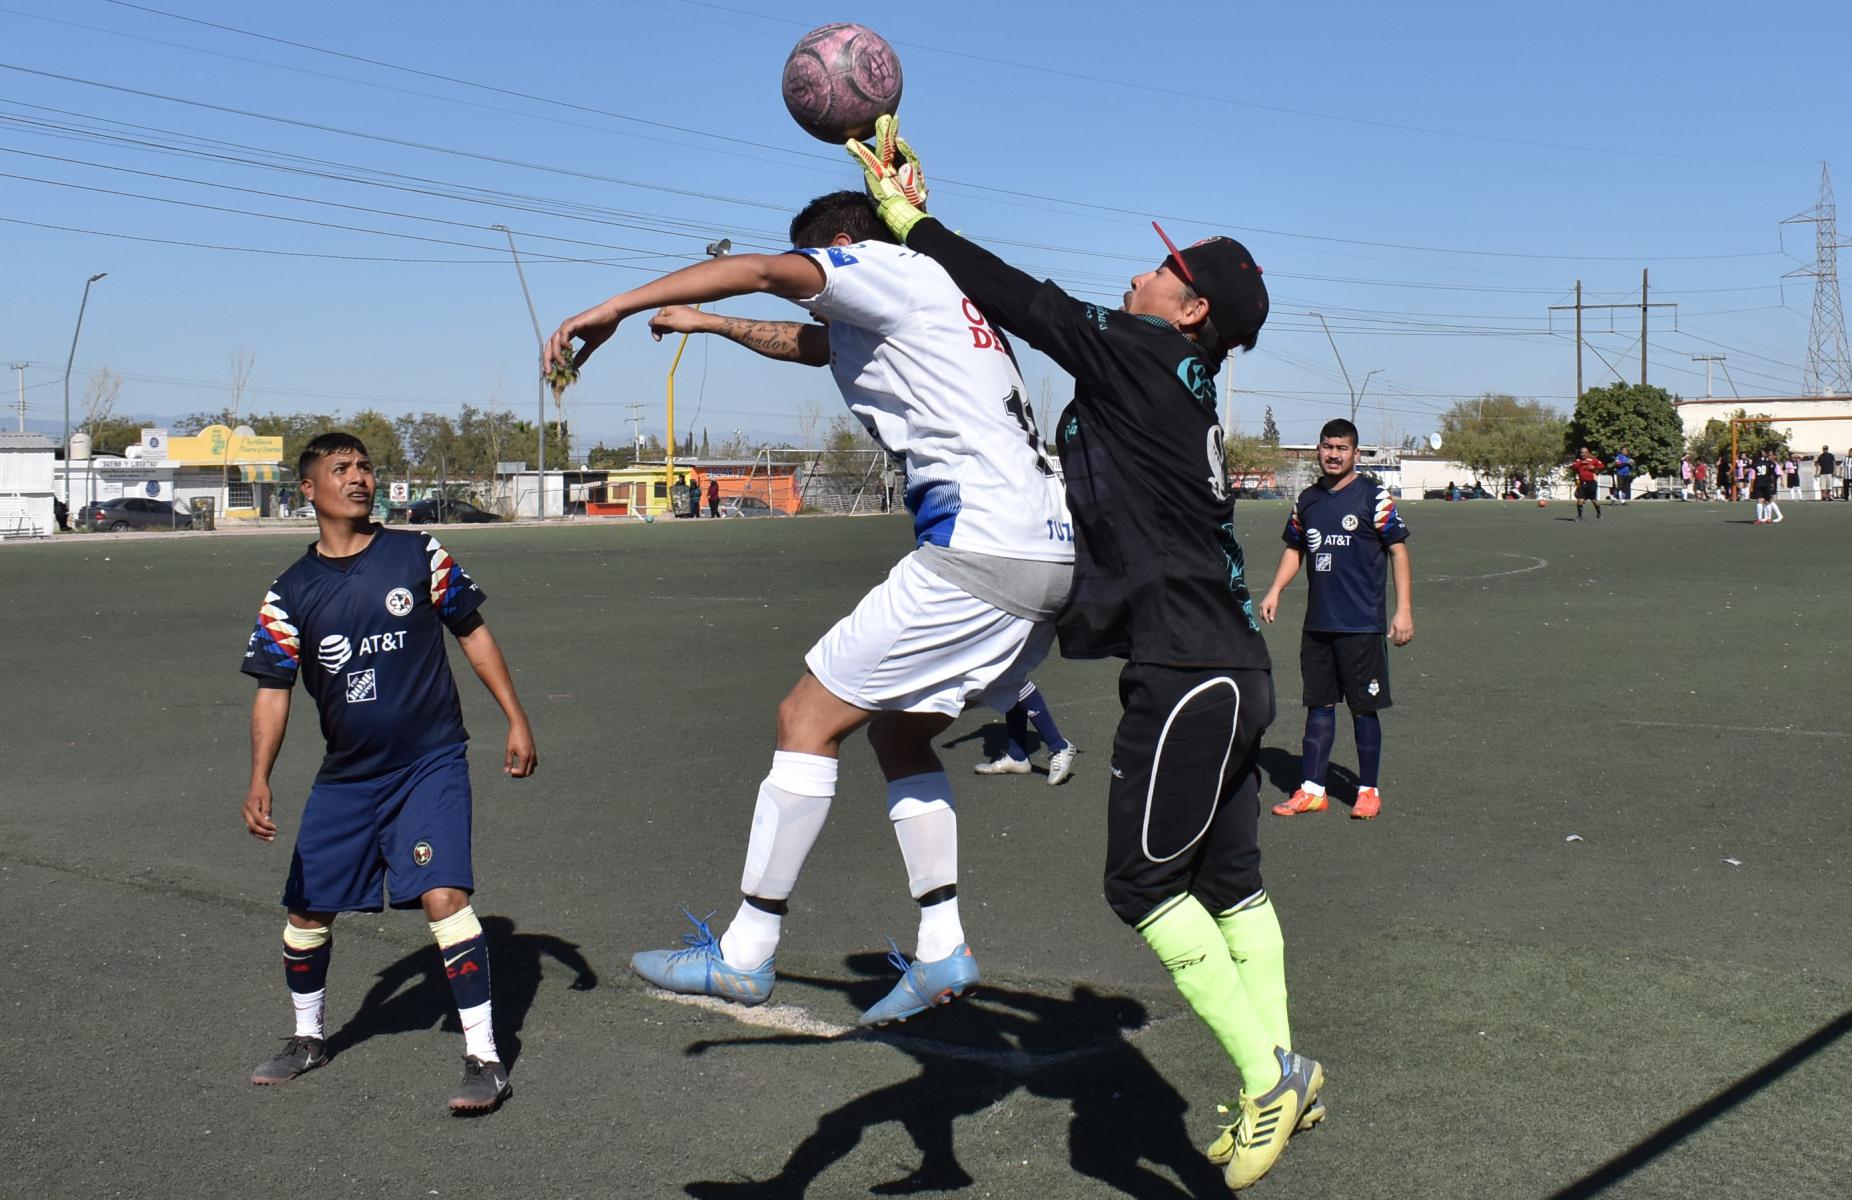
{"x":964,"y":617}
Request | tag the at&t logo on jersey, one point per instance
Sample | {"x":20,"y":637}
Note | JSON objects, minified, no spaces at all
{"x":399,"y":601}
{"x":1314,"y":539}
{"x":334,"y":652}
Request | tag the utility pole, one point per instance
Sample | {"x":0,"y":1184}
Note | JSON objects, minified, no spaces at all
{"x":540,"y":383}
{"x":21,"y":368}
{"x":1707,"y":360}
{"x":636,"y":431}
{"x":1642,"y":326}
{"x":1644,"y":305}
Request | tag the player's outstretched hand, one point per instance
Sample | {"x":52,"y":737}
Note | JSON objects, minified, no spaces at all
{"x":677,"y":318}
{"x":257,"y":813}
{"x":593,"y":328}
{"x":899,"y":191}
{"x":1402,"y":629}
{"x":1269,"y":607}
{"x":520,"y":759}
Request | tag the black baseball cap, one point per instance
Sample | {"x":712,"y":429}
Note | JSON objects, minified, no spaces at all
{"x":1221,"y":271}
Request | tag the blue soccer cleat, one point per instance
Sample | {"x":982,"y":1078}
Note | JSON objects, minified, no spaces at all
{"x":697,"y":969}
{"x":923,"y":985}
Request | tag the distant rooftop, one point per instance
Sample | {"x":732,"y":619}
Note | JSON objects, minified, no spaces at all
{"x":26,"y":441}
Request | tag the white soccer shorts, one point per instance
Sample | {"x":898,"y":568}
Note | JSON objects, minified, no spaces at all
{"x":919,"y":644}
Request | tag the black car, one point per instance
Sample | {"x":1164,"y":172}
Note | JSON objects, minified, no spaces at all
{"x":132,"y":512}
{"x":438,"y":512}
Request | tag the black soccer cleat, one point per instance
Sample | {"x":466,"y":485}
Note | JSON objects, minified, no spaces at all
{"x":484,"y":1087}
{"x":300,"y":1053}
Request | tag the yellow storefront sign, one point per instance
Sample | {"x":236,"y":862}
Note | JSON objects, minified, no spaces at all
{"x":217,"y":444}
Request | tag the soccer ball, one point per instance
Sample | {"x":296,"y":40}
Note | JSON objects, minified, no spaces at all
{"x":649,"y":518}
{"x":838,"y":79}
{"x":1542,"y":503}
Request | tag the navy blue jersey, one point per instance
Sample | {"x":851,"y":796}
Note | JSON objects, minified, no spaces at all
{"x":1345,"y":536}
{"x":368,"y":641}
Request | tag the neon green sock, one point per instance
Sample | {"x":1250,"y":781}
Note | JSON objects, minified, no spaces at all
{"x":1252,"y":931}
{"x":1187,"y":940}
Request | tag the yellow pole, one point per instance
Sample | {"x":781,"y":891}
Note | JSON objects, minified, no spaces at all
{"x":668,"y":470}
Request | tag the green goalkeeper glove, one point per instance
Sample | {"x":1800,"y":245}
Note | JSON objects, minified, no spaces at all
{"x":895,"y":180}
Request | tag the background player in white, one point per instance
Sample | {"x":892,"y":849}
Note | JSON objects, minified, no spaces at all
{"x":967,"y":612}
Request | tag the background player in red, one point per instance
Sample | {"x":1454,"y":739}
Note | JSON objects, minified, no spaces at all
{"x":1348,"y":525}
{"x":1587,"y":470}
{"x":360,"y":618}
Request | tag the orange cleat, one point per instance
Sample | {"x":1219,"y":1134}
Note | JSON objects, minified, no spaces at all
{"x":1301,"y":801}
{"x":1369,"y":804}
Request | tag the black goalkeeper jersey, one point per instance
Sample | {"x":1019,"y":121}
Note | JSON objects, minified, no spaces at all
{"x":1158,"y":573}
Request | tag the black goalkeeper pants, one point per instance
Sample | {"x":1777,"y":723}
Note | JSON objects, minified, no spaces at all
{"x":1183,"y":813}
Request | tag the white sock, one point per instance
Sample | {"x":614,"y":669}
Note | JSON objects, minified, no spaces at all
{"x":309,"y":1009}
{"x":478,"y":1032}
{"x":751,"y":938}
{"x":1312,"y":789}
{"x":926,"y":826}
{"x":940,"y":931}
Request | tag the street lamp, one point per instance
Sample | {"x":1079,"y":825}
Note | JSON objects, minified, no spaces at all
{"x":66,"y":450}
{"x":540,"y":382}
{"x":717,"y":249}
{"x":1334,"y":353}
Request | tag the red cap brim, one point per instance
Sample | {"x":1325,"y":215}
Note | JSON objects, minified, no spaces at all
{"x":1183,"y":268}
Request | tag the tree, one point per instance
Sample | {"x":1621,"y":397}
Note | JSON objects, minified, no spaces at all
{"x":704,"y":451}
{"x":844,"y":446}
{"x":1713,"y":441}
{"x":1251,"y":461}
{"x":1269,"y":428}
{"x":1500,"y":436}
{"x":1637,"y":418}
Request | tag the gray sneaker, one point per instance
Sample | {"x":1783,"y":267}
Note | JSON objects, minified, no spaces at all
{"x":299,"y":1054}
{"x":484,"y":1087}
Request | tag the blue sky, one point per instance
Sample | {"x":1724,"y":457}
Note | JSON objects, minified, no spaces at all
{"x":1432,"y":178}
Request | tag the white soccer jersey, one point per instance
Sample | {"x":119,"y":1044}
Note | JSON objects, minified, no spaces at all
{"x":929,"y":378}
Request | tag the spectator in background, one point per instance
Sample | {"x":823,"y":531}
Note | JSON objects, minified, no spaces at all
{"x":1845,"y":476}
{"x":713,"y":497}
{"x":1701,"y":479}
{"x":1793,"y":473}
{"x":1684,"y":478}
{"x":1824,"y":468}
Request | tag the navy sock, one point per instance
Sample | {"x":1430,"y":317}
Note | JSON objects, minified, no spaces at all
{"x":467,"y":965}
{"x":1369,"y":731}
{"x":1044,"y":720}
{"x":306,"y":971}
{"x":1321,"y":729}
{"x":1017,"y":722}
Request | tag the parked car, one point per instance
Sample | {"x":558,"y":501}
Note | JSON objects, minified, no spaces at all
{"x":747,"y":506}
{"x":1474,"y":492}
{"x":132,"y":512}
{"x":436,"y":512}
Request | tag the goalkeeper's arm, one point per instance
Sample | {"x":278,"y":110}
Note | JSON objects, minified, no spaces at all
{"x":786,"y":341}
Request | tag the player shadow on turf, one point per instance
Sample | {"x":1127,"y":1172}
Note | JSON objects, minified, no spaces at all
{"x":1281,"y":767}
{"x":1125,"y":1122}
{"x":412,"y":994}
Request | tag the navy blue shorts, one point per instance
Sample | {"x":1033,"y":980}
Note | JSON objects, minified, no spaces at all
{"x":406,"y":831}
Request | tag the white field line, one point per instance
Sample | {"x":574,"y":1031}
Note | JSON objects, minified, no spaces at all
{"x":789,"y":1018}
{"x":1537,"y":564}
{"x":1825,"y":733}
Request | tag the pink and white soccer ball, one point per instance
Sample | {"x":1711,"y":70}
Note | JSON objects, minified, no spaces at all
{"x":838,"y":79}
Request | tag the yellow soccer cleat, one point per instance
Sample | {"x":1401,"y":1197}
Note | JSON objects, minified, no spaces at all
{"x":1248,"y":1149}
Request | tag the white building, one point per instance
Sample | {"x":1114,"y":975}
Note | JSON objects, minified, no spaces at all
{"x":1809,"y":421}
{"x":26,"y":485}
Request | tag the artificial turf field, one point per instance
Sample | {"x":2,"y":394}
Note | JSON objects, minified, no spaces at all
{"x":1501,"y":1012}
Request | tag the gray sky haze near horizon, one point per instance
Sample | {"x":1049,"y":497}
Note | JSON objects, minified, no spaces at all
{"x":316,"y":186}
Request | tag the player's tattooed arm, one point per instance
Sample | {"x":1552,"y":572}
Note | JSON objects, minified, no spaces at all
{"x":786,"y":341}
